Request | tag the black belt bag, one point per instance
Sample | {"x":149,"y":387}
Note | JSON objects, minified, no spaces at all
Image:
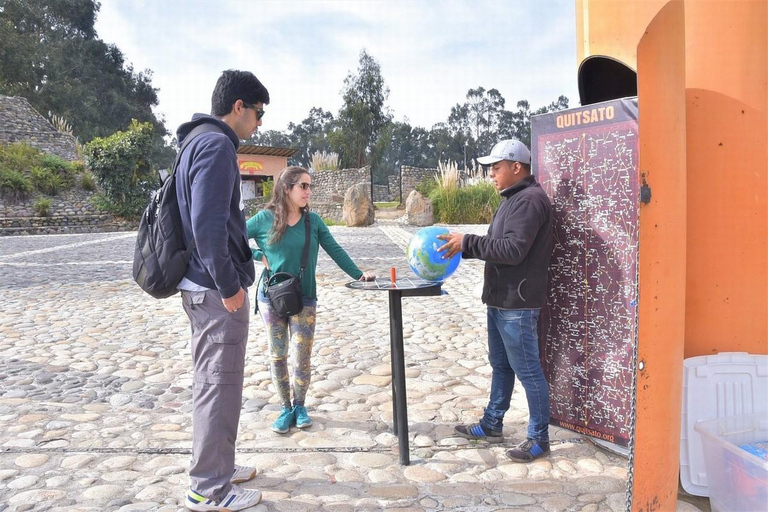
{"x":284,"y":289}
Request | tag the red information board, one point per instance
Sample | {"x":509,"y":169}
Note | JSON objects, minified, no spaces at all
{"x":586,"y":160}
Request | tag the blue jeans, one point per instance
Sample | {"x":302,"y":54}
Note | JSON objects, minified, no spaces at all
{"x":513,"y":349}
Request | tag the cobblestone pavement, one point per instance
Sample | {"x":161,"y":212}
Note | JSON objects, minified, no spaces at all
{"x":95,"y":395}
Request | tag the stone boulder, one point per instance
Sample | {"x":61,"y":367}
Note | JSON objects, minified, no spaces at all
{"x":358,"y":207}
{"x":418,"y":209}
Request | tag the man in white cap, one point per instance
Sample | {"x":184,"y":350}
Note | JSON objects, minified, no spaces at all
{"x":516,"y":251}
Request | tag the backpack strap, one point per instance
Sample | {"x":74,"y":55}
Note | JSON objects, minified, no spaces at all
{"x":197,"y":130}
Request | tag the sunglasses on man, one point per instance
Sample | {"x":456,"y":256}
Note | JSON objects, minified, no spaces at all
{"x":259,"y":111}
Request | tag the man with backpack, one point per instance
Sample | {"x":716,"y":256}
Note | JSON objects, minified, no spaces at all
{"x":214,"y":288}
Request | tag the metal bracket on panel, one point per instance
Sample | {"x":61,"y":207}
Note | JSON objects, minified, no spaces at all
{"x":645,"y":191}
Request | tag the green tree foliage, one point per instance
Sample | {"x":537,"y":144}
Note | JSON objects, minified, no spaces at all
{"x":308,"y":137}
{"x":362,"y":115}
{"x":49,"y":54}
{"x":272,"y":138}
{"x":483,"y":121}
{"x":123,"y":169}
{"x":400,"y":144}
{"x":479,"y":118}
{"x":444,"y":145}
{"x":311,"y":135}
{"x":363,"y":131}
{"x":517,"y":125}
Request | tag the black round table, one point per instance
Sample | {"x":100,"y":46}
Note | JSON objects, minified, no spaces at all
{"x":406,"y":287}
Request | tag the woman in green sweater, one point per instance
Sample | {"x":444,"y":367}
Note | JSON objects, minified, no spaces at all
{"x":278,"y":231}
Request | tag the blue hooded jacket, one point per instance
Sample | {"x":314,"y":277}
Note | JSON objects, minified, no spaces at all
{"x":208,"y":191}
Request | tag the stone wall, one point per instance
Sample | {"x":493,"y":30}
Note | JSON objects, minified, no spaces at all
{"x":381,"y":193}
{"x":412,"y":177}
{"x":62,"y":224}
{"x":332,"y":211}
{"x":72,"y":211}
{"x":252,"y":206}
{"x":330,"y":186}
{"x":394,"y":188}
{"x":326,"y":210}
{"x":19,"y":122}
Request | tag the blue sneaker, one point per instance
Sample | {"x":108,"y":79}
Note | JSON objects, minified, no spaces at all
{"x":478,"y":432}
{"x":302,"y":418}
{"x":528,"y":451}
{"x":283,"y":422}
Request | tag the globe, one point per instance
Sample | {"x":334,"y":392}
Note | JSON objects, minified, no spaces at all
{"x":424,"y":259}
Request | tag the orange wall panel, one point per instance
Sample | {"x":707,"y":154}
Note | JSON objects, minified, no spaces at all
{"x":727,"y":285}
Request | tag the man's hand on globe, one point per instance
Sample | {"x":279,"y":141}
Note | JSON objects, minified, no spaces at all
{"x":424,"y":256}
{"x":452,"y":245}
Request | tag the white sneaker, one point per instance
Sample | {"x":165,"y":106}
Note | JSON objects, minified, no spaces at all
{"x":237,"y":499}
{"x":243,"y":474}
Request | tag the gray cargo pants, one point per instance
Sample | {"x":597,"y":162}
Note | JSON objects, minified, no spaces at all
{"x":218,"y":353}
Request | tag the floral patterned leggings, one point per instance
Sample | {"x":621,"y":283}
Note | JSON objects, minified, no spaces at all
{"x":280,"y":331}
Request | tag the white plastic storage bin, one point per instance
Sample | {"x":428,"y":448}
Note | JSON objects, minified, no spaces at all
{"x":716,"y":386}
{"x":736,"y":460}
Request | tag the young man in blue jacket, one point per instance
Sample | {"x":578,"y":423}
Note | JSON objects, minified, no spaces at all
{"x":516,"y":251}
{"x":214,"y":288}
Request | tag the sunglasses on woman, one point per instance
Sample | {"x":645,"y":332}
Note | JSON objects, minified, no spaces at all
{"x":303,"y":185}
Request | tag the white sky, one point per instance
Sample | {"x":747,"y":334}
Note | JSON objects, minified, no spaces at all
{"x":431,"y":52}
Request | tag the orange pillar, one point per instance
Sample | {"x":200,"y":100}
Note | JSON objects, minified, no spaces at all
{"x":661,"y":260}
{"x":727,"y":271}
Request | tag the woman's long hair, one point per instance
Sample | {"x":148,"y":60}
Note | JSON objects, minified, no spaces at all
{"x":279,"y":202}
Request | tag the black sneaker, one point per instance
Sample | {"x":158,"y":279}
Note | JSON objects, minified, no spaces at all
{"x":528,"y":451}
{"x":476,"y":431}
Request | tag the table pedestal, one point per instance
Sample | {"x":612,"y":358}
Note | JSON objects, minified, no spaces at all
{"x":397,"y":361}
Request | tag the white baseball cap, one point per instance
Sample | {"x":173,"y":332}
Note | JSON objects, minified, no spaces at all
{"x":509,"y":149}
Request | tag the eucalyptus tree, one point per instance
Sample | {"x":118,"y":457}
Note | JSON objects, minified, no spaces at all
{"x":311,"y":135}
{"x":478,"y":119}
{"x":363,"y":113}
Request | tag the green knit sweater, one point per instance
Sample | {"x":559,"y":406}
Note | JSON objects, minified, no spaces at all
{"x":285,"y":255}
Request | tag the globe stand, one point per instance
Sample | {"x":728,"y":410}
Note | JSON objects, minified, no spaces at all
{"x":397,"y":290}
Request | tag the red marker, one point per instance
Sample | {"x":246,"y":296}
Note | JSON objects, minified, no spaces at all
{"x":392,"y":275}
